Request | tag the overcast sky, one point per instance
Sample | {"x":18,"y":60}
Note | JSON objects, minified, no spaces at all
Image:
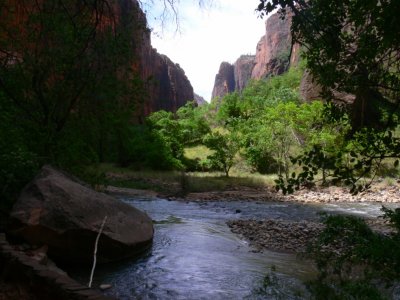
{"x":207,"y":37}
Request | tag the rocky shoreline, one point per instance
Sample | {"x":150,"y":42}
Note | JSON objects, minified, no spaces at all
{"x":287,"y":236}
{"x":332,"y":194}
{"x":384,"y":194}
{"x":278,"y":235}
{"x":387,"y":194}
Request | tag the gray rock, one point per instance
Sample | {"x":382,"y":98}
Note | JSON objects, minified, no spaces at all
{"x":105,"y":286}
{"x":56,"y":210}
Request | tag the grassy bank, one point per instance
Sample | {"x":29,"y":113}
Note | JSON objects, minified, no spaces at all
{"x":173,"y":182}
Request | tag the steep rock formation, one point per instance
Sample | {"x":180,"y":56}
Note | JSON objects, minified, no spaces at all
{"x":243,"y":68}
{"x":199,"y":100}
{"x":273,"y":50}
{"x":224,"y":80}
{"x":309,"y":89}
{"x":274,"y":55}
{"x":166,"y":85}
{"x":295,"y":55}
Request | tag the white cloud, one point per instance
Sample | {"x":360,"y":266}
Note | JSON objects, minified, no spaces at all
{"x":208,"y":37}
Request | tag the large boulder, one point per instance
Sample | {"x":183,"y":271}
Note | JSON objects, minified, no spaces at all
{"x":57,"y":210}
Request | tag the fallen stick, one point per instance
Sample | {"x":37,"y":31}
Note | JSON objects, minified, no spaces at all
{"x":95,"y":251}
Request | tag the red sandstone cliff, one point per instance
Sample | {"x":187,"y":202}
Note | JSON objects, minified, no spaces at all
{"x":166,"y":85}
{"x":273,"y":50}
{"x":243,"y":68}
{"x":274,"y":55}
{"x":224,"y":80}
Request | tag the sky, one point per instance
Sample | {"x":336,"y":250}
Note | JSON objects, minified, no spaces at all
{"x":206,"y":37}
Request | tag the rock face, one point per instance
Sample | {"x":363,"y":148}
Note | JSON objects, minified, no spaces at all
{"x":274,"y":55}
{"x":274,"y":48}
{"x":224,"y":80}
{"x":166,"y":84}
{"x":199,"y":100}
{"x":309,"y":89}
{"x":58,"y":211}
{"x":243,"y":68}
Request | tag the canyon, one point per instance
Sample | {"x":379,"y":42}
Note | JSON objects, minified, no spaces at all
{"x":275,"y":53}
{"x":165,"y":82}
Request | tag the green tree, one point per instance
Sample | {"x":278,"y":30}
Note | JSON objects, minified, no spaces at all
{"x":186,"y":127}
{"x":280,"y":128}
{"x":67,"y":87}
{"x":58,"y":58}
{"x":351,"y":47}
{"x":226,"y":146}
{"x":169,"y":131}
{"x":193,"y":123}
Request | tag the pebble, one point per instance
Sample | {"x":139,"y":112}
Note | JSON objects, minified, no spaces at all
{"x":288,"y":236}
{"x":338,"y":194}
{"x":277,"y":234}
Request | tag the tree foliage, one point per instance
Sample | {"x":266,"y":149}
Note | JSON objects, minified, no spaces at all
{"x":67,"y":85}
{"x":352,"y":48}
{"x":173,"y":132}
{"x":226,"y":146}
{"x":355,"y":261}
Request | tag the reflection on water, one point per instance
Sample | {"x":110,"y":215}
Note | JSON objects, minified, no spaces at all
{"x":195,"y":256}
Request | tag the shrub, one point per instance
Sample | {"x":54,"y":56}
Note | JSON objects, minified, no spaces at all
{"x":354,"y":261}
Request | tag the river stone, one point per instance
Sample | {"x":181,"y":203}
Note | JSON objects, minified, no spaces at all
{"x":59,"y":211}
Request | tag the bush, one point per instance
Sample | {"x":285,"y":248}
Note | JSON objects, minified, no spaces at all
{"x":262,"y":162}
{"x":354,"y":261}
{"x":17,"y":168}
{"x":146,"y":149}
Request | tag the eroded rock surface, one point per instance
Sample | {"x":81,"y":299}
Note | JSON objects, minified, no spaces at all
{"x":273,"y":49}
{"x":166,"y":85}
{"x":242,"y":71}
{"x":274,"y":55}
{"x":224,"y":80}
{"x":199,"y":100}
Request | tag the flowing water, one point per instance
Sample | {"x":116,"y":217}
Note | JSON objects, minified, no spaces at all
{"x":195,"y":256}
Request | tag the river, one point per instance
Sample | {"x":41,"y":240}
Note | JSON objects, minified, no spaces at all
{"x":195,"y":256}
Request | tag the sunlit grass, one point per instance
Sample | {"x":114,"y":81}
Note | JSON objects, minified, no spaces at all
{"x":198,"y":152}
{"x":216,"y":181}
{"x":175,"y":181}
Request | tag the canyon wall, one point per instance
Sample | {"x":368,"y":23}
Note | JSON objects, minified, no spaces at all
{"x":243,"y":69}
{"x":166,"y":85}
{"x":274,"y":48}
{"x":274,"y":55}
{"x":224,"y":80}
{"x":199,"y":100}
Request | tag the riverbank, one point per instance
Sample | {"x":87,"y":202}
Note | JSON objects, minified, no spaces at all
{"x":287,"y":236}
{"x":279,"y":235}
{"x":295,"y":237}
{"x":377,"y":194}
